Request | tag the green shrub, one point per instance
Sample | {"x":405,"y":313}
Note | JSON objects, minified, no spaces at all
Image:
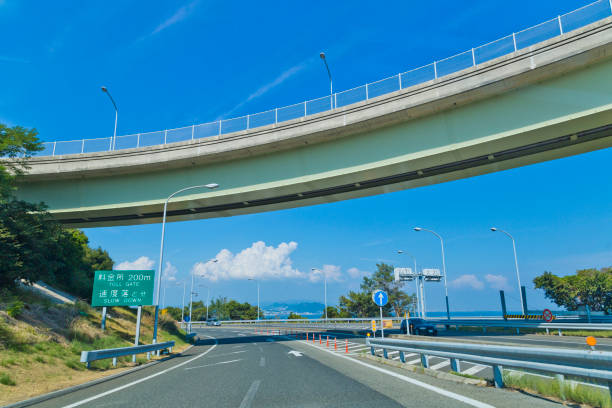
{"x":7,"y":380}
{"x":15,"y":308}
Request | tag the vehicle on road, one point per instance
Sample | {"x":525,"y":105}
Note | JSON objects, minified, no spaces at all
{"x":213,"y":322}
{"x":419,"y":327}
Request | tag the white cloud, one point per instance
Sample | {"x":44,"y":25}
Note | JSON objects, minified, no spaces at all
{"x":170,"y":272}
{"x":356,"y":273}
{"x":179,"y":15}
{"x":272,"y":84}
{"x":256,"y":262}
{"x":332,"y":272}
{"x":142,"y":263}
{"x":467,"y":281}
{"x":497,"y":281}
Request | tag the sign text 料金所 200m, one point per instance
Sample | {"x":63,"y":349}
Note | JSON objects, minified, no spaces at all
{"x":123,"y":288}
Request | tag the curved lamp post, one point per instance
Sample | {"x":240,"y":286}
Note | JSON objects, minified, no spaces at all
{"x":105,"y":90}
{"x":191,"y":295}
{"x":443,"y":266}
{"x":331,"y":85}
{"x":161,"y":251}
{"x":325,"y":290}
{"x":257,"y":281}
{"x":518,"y":277}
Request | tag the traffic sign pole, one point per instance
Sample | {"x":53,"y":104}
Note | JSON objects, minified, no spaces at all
{"x":103,"y":324}
{"x":137,"y":339}
{"x":382,"y":327}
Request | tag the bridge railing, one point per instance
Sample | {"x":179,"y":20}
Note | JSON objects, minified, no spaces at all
{"x":509,"y":44}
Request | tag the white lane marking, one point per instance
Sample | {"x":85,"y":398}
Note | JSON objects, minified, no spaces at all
{"x":250,"y":395}
{"x":238,"y":346}
{"x":95,"y":397}
{"x":240,"y":334}
{"x":228,"y":354}
{"x":418,"y":360}
{"x":418,"y":383}
{"x":295,"y":353}
{"x":473,"y":370}
{"x":262,"y":362}
{"x":214,"y":364}
{"x":440,"y":365}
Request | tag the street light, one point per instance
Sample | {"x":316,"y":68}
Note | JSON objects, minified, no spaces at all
{"x":257,"y":281}
{"x":191,"y":295}
{"x":325,"y":296}
{"x":331,"y":85}
{"x":443,"y":266}
{"x":161,"y":251}
{"x":183,"y":308}
{"x":518,"y":277}
{"x":418,"y":283}
{"x":105,"y":90}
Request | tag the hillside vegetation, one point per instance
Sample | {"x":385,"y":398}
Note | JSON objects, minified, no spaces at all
{"x":41,"y":342}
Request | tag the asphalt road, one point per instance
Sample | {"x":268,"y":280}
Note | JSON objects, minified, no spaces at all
{"x":236,"y":368}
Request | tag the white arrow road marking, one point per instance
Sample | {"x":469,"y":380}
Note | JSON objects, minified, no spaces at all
{"x":295,"y":353}
{"x":214,"y":364}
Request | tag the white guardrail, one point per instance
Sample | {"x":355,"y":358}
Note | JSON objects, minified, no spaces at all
{"x":507,"y":45}
{"x":592,"y":365}
{"x":93,"y":355}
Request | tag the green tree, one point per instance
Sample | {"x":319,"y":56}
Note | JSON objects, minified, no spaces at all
{"x":17,"y":144}
{"x":295,"y":316}
{"x":333,"y":313}
{"x":592,"y":287}
{"x":384,"y":279}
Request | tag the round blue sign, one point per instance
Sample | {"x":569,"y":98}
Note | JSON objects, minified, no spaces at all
{"x":186,"y":318}
{"x":380,"y":298}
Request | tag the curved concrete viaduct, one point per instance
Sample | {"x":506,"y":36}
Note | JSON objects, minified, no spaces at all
{"x":548,"y":101}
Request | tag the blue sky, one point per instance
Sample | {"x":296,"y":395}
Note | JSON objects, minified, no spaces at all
{"x":170,"y":64}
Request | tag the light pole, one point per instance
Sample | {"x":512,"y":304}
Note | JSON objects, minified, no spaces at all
{"x":331,"y":85}
{"x":256,"y":281}
{"x":105,"y":90}
{"x":183,"y":308}
{"x":191,"y":295}
{"x":518,"y":276}
{"x":417,"y":281}
{"x":325,"y":290}
{"x":443,"y":266}
{"x":161,"y":251}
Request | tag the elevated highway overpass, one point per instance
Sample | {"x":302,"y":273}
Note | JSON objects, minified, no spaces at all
{"x":547,"y":101}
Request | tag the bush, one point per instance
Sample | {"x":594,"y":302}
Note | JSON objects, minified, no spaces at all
{"x":15,"y":308}
{"x":7,"y":380}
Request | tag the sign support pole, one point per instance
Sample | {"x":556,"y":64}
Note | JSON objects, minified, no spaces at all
{"x":103,"y":325}
{"x":137,"y":340}
{"x":382,"y":327}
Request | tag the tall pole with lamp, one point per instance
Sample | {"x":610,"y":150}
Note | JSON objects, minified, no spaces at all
{"x":331,"y":84}
{"x":518,"y":276}
{"x":161,"y":251}
{"x":443,"y":266}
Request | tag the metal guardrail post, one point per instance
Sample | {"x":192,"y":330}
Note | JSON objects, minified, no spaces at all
{"x":367,"y":92}
{"x":385,"y":353}
{"x":402,"y":357}
{"x":561,"y":380}
{"x":514,"y":41}
{"x":248,"y":121}
{"x":560,"y":25}
{"x":399,"y":76}
{"x":138,"y":140}
{"x":165,"y":136}
{"x":455,"y":365}
{"x":372,"y":351}
{"x":498,"y":376}
{"x":473,"y":58}
{"x":82,"y":146}
{"x":425,"y":360}
{"x":55,"y":143}
{"x":192,"y":131}
{"x":435,"y":70}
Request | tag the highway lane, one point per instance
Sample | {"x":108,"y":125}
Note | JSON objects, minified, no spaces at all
{"x":235,"y":368}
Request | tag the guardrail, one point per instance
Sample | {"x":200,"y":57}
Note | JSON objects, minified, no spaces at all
{"x":509,"y":44}
{"x":93,"y":355}
{"x":484,"y":323}
{"x":589,"y":364}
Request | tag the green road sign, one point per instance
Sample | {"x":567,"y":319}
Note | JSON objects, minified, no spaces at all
{"x":123,"y":288}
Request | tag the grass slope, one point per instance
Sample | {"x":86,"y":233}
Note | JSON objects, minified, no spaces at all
{"x":41,"y":342}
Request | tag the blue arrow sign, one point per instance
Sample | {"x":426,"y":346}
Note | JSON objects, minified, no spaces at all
{"x":380,"y":298}
{"x":186,"y":318}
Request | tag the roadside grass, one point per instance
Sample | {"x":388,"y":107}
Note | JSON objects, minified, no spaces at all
{"x":466,"y":375}
{"x":40,"y":348}
{"x":607,"y":334}
{"x":568,"y":391}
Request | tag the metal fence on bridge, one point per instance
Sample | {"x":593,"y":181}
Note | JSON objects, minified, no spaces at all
{"x":507,"y":45}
